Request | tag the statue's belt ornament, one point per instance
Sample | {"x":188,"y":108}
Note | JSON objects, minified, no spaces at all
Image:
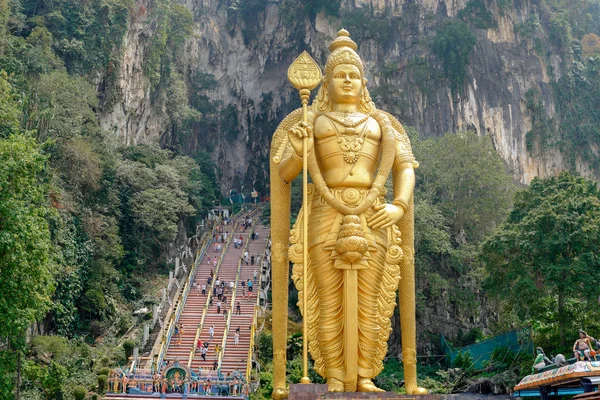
{"x":351,"y":197}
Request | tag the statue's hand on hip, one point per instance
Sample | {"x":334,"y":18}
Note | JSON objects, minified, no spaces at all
{"x":385,"y":216}
{"x":297,"y":134}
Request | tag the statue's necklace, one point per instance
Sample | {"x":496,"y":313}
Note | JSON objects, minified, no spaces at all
{"x":351,"y":144}
{"x":348,"y":120}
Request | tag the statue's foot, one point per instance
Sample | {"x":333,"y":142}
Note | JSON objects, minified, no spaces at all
{"x":367,"y":385}
{"x":335,"y":385}
{"x":417,"y":390}
{"x":279,"y":394}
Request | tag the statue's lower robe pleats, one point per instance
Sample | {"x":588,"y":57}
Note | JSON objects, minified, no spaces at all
{"x":377,"y":281}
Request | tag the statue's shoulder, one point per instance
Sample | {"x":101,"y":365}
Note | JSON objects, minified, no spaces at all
{"x":399,"y":131}
{"x":403,"y":147}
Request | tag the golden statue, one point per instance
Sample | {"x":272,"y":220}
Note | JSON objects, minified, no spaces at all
{"x":360,"y":249}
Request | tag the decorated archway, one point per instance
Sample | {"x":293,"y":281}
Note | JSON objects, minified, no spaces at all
{"x":176,"y":378}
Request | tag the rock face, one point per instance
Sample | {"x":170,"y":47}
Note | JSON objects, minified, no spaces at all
{"x":244,"y":47}
{"x":135,"y":118}
{"x":248,"y":45}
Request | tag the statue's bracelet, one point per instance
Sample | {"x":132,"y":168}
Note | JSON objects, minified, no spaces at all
{"x":400,"y":203}
{"x":296,"y":156}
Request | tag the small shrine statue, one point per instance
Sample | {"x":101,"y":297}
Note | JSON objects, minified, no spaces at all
{"x":540,"y":360}
{"x":582,"y":348}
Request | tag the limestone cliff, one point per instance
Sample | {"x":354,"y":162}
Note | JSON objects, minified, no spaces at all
{"x":248,"y":45}
{"x":235,"y":64}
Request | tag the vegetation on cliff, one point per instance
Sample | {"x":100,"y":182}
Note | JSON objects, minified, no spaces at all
{"x":86,"y":221}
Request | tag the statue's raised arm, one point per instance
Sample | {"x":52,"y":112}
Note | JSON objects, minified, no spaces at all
{"x":360,"y":248}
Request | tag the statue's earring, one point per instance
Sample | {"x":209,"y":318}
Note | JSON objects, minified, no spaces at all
{"x":324,"y":98}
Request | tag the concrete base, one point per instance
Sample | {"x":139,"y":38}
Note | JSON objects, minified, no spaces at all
{"x":311,"y":391}
{"x":319,"y":392}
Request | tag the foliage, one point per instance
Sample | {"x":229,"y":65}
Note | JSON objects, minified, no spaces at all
{"x":477,"y":15}
{"x":87,"y":35}
{"x":249,"y":11}
{"x":174,"y":23}
{"x":542,"y":258}
{"x":25,"y":244}
{"x":229,"y":122}
{"x":365,"y":23}
{"x":462,"y":191}
{"x":102,"y":382}
{"x":542,"y":127}
{"x":419,"y":71}
{"x":465,"y":176}
{"x":504,"y":5}
{"x":590,"y":45}
{"x":452,"y":44}
{"x":128,"y":346}
{"x":577,"y":95}
{"x":56,"y":367}
{"x":463,"y":361}
{"x":71,"y":101}
{"x":567,"y":31}
{"x":266,"y":384}
{"x":308,"y":9}
{"x":391,"y":376}
{"x":9,"y":110}
{"x":80,"y":393}
{"x":75,"y":235}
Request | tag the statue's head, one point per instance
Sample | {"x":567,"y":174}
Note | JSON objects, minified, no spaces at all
{"x":344,"y":80}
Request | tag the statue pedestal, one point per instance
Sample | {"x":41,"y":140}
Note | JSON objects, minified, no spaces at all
{"x":319,"y":392}
{"x":311,"y":391}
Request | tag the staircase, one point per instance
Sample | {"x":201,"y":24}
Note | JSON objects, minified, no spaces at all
{"x":181,"y":345}
{"x":197,"y":316}
{"x":236,"y":357}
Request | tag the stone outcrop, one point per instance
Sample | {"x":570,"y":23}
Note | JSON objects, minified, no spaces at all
{"x":248,"y":50}
{"x":249,"y":58}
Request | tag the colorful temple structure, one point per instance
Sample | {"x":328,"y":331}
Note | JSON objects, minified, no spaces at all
{"x":176,"y":368}
{"x":580,"y":378}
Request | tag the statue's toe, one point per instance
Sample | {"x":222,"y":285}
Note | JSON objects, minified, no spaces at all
{"x":367,"y":385}
{"x":335,"y":385}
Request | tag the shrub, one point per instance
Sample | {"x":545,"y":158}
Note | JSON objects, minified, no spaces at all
{"x":128,"y":346}
{"x":463,"y":361}
{"x":102,"y":379}
{"x":104,"y":371}
{"x":590,"y":44}
{"x":79,"y":393}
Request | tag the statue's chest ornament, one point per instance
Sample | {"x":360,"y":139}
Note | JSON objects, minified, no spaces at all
{"x":351,"y":143}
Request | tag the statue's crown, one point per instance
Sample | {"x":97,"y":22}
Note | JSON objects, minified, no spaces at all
{"x":343,"y":40}
{"x":343,"y":51}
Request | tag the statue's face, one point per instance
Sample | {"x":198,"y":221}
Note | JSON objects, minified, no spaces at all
{"x":345,"y":84}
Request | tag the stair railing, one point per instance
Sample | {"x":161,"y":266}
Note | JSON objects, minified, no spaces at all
{"x":254,"y":321}
{"x":166,"y":339}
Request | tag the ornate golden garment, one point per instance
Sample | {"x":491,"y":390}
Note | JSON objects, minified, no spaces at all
{"x":378,"y":276}
{"x":378,"y":271}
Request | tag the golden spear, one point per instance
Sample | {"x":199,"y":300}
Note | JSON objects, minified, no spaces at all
{"x":305,"y":75}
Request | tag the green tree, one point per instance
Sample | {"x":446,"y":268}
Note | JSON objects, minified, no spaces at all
{"x":9,"y":112}
{"x":466,"y":178}
{"x":543,"y":261}
{"x":25,"y":246}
